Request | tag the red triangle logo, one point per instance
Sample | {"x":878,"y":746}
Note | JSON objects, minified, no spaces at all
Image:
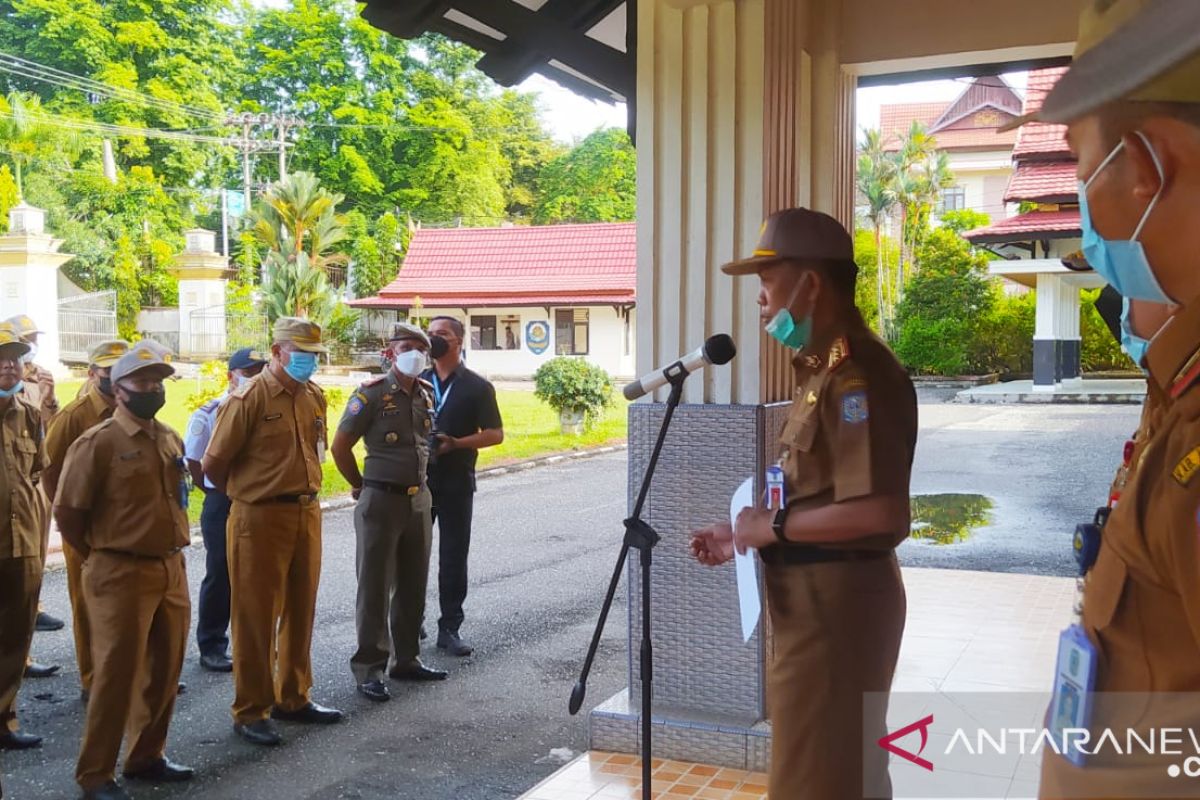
{"x":887,"y":742}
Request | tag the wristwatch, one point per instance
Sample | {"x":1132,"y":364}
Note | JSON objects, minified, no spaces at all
{"x":778,"y":524}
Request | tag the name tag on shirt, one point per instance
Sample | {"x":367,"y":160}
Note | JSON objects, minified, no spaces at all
{"x":1074,"y":681}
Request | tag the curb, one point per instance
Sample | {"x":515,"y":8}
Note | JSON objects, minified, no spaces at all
{"x":54,"y":559}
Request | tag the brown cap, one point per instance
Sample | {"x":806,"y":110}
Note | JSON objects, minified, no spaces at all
{"x":800,"y":234}
{"x":25,"y":325}
{"x":142,"y":357}
{"x":108,"y":353}
{"x":303,"y":333}
{"x":10,"y":340}
{"x":1138,"y":50}
{"x":406,"y":330}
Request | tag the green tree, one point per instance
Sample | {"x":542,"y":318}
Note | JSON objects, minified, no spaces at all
{"x":298,"y":215}
{"x":875,"y":180}
{"x":963,"y":220}
{"x":594,"y":182}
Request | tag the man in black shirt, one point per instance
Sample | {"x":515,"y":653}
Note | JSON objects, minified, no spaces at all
{"x":466,"y":420}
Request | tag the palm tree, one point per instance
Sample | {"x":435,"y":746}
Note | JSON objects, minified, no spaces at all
{"x":24,"y":130}
{"x":298,"y":215}
{"x":876,"y":183}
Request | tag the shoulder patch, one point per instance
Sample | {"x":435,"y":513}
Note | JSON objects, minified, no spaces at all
{"x":854,"y":407}
{"x":1187,"y":467}
{"x":839,"y":351}
{"x":357,"y":403}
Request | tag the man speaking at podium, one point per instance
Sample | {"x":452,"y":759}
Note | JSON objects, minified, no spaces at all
{"x":834,"y":591}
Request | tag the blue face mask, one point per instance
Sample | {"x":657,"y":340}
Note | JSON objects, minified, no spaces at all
{"x":301,"y":365}
{"x":1122,"y":262}
{"x":15,"y":390}
{"x":784,"y":329}
{"x":1134,"y":345}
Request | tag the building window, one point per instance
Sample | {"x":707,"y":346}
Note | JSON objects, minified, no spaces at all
{"x":954,"y":198}
{"x":571,"y":331}
{"x":483,"y":333}
{"x":510,"y":333}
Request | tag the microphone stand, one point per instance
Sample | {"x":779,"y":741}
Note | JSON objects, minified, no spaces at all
{"x":640,"y":536}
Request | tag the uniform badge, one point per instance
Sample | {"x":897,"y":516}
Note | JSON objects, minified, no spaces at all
{"x":811,"y":399}
{"x":355,"y":406}
{"x":838,"y":353}
{"x":854,"y":407}
{"x":1187,"y":467}
{"x":196,"y":428}
{"x":392,"y":437}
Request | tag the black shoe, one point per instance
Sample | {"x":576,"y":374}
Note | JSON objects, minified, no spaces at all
{"x":375,"y":690}
{"x":217,"y":662}
{"x":109,"y":791}
{"x":416,"y":671}
{"x":261,"y":732}
{"x":182,"y":688}
{"x":16,"y":740}
{"x":310,"y":714}
{"x":424,"y":633}
{"x":48,"y":622}
{"x":164,"y":770}
{"x":36,"y":670}
{"x":453,"y":644}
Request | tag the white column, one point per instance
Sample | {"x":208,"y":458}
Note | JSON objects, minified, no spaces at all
{"x":29,"y":262}
{"x":202,"y":274}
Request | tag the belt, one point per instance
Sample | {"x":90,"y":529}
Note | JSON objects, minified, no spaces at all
{"x":790,"y":554}
{"x":142,"y":556}
{"x":294,"y":499}
{"x":392,"y":488}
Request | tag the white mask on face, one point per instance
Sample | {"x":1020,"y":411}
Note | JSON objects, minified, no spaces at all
{"x":31,"y":355}
{"x":410,"y":363}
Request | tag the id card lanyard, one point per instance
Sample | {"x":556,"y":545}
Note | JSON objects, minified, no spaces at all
{"x":440,"y":396}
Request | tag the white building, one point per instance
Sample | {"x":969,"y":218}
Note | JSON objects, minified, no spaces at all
{"x":524,"y":294}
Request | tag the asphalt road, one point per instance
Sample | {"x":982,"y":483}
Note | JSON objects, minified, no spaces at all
{"x":544,"y":548}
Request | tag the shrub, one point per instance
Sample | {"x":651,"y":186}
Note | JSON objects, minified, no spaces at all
{"x":573,"y":384}
{"x":213,"y":373}
{"x":1004,"y":338}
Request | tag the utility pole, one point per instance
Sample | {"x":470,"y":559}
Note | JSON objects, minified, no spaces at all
{"x":246,"y":145}
{"x":284,"y":122}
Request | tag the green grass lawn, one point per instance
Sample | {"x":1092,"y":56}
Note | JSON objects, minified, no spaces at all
{"x":531,"y":429}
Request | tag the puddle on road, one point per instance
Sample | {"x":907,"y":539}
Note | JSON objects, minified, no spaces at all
{"x":948,"y":518}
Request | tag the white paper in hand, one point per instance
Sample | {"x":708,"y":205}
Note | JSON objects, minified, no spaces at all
{"x":747,"y":576}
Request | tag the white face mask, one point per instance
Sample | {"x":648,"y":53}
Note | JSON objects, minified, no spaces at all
{"x":410,"y":363}
{"x":31,"y":355}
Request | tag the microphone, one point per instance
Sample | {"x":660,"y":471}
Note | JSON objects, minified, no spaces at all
{"x":718,"y":349}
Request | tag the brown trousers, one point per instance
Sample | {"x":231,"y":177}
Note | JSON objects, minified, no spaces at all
{"x":81,"y":626}
{"x":140,"y":612}
{"x":392,"y":557}
{"x":20,"y":583}
{"x":837,"y":629}
{"x":274,"y":552}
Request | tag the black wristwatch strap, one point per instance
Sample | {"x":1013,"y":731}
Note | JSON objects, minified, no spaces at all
{"x":778,"y":524}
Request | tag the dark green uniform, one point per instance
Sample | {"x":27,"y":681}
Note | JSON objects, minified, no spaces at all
{"x":392,"y":521}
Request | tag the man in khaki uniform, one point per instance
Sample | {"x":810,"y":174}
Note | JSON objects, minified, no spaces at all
{"x":22,"y":540}
{"x":68,"y":425}
{"x":38,"y":381}
{"x":1131,"y":103}
{"x":122,"y":504}
{"x":834,"y":592}
{"x":392,"y":519}
{"x":265,"y":453}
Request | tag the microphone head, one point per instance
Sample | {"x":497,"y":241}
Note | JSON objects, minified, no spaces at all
{"x":720,"y":349}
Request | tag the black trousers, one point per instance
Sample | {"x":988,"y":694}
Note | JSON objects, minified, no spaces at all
{"x":453,"y":508}
{"x":212,"y":624}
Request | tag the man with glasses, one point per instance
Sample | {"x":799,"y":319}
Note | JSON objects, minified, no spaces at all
{"x":265,"y":453}
{"x":212,"y":623}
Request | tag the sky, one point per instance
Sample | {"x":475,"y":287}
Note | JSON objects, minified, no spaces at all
{"x":870,"y":99}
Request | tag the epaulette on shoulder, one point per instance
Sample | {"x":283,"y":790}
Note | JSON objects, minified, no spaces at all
{"x":243,"y":389}
{"x":839,"y":353}
{"x":211,"y":405}
{"x":372,"y":380}
{"x":96,"y":429}
{"x":1186,"y":377}
{"x":426,"y":385}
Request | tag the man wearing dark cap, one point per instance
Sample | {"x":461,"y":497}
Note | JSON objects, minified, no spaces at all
{"x":89,"y":409}
{"x":391,"y":414}
{"x":265,"y":453}
{"x":1131,"y":104}
{"x":834,"y":591}
{"x":212,"y":622}
{"x":122,"y":504}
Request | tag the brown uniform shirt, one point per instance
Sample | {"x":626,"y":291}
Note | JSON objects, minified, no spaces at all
{"x":131,"y":483}
{"x":46,"y":404}
{"x":69,"y":424}
{"x":22,"y":507}
{"x":273,"y":440}
{"x":852,"y":428}
{"x":394,"y":425}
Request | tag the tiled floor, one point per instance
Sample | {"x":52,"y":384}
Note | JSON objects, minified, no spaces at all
{"x":966,"y":632}
{"x":608,"y":776}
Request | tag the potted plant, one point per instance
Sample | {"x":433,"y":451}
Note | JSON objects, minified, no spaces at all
{"x":576,"y":389}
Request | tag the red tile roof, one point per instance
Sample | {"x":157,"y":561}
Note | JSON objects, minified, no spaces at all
{"x":896,"y":118}
{"x":1038,"y":140}
{"x":1029,"y":226}
{"x":547,"y":265}
{"x":1050,"y":182}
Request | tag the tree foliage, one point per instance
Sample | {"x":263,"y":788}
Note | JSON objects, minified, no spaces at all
{"x":595,"y":182}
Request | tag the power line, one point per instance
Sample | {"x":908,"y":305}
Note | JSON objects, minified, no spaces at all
{"x":124,"y":131}
{"x":52,"y":75}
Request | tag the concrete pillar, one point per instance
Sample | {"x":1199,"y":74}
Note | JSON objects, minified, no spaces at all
{"x":1056,"y":338}
{"x":203,"y":274}
{"x":29,"y":262}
